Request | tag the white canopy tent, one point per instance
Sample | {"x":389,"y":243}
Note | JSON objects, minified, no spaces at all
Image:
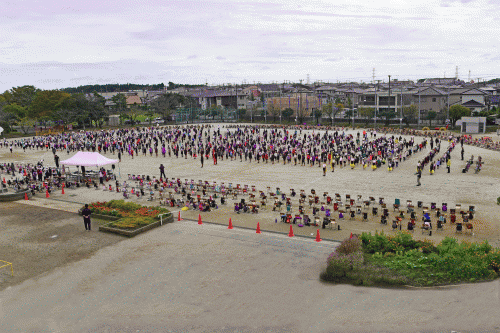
{"x":1,"y":129}
{"x":88,"y":159}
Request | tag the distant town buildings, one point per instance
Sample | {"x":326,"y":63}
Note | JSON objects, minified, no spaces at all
{"x":433,"y":94}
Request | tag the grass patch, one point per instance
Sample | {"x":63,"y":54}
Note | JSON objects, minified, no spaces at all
{"x":399,"y":260}
{"x":132,"y":215}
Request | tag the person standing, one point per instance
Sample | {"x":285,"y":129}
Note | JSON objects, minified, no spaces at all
{"x":201,"y":159}
{"x":462,"y":153}
{"x":162,"y":172}
{"x":448,"y":164}
{"x":86,"y":217}
{"x":324,"y":169}
{"x":419,"y":175}
{"x":56,"y":160}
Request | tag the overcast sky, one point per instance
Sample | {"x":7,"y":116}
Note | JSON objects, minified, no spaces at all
{"x":57,"y":44}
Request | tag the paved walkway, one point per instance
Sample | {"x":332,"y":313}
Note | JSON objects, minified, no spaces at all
{"x":186,"y":277}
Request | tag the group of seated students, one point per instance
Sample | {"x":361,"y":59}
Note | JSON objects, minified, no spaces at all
{"x":242,"y":206}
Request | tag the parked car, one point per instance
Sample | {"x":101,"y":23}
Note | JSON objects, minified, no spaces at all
{"x":159,"y":120}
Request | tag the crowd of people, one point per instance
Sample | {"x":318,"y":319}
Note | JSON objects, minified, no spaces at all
{"x":319,"y":146}
{"x":266,"y":144}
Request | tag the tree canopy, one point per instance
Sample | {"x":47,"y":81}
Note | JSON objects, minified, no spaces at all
{"x":457,"y":112}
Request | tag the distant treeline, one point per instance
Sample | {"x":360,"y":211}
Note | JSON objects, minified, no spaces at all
{"x":125,"y":87}
{"x":113,"y":88}
{"x":497,"y":80}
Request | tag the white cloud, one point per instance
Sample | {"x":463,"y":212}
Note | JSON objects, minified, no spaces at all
{"x":47,"y":43}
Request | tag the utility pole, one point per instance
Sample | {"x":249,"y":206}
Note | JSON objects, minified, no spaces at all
{"x":418,"y":108}
{"x":389,"y":98}
{"x":376,"y":102}
{"x":401,"y":115}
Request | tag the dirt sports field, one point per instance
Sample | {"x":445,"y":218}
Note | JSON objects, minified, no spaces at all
{"x":42,"y":262}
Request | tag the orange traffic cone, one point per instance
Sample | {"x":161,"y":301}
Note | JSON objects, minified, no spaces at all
{"x":26,"y":196}
{"x":318,"y":239}
{"x":350,"y":236}
{"x":47,"y":194}
{"x":230,"y":224}
{"x":63,"y":190}
{"x":199,"y":219}
{"x":290,"y":234}
{"x":179,"y":217}
{"x":258,"y":228}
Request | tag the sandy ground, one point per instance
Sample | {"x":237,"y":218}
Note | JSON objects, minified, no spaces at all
{"x":184,"y":277}
{"x":480,"y":190}
{"x":37,"y":240}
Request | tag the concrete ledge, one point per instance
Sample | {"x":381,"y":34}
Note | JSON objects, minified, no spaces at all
{"x":135,"y":232}
{"x":14,"y":196}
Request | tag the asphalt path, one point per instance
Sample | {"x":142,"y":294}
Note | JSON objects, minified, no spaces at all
{"x":185,"y":277}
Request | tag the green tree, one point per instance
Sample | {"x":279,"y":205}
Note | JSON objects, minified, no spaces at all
{"x":327,"y":110}
{"x":13,"y":114}
{"x":241,"y":113}
{"x":287,"y":113}
{"x":66,"y":111}
{"x":22,"y":96}
{"x":26,"y":123}
{"x":457,"y":112}
{"x":120,"y":104}
{"x":339,"y":107}
{"x":387,"y":115}
{"x":348,"y":115}
{"x":166,"y":104}
{"x":367,"y":114}
{"x":350,"y":111}
{"x":317,"y":115}
{"x":273,"y":110}
{"x":134,"y":112}
{"x":96,"y":109}
{"x":150,"y":114}
{"x":410,"y":113}
{"x":430,"y":116}
{"x":46,"y":102}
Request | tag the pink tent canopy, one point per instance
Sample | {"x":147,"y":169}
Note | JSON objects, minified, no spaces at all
{"x":88,"y":159}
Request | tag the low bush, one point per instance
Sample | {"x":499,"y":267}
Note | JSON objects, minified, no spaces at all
{"x":425,"y":129}
{"x":132,"y":222}
{"x":498,"y":201}
{"x":442,"y":129}
{"x":349,"y":245}
{"x":340,"y":264}
{"x":401,"y":260}
{"x":122,"y":205}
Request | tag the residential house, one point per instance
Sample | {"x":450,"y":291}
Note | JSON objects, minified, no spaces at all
{"x":229,"y":99}
{"x":430,"y":99}
{"x":473,"y":98}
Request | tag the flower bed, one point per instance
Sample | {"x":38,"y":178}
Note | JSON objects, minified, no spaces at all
{"x":129,"y":218}
{"x":400,"y":260}
{"x":131,"y":215}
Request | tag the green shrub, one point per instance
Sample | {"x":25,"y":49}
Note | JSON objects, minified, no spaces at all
{"x":339,"y":264}
{"x":399,"y":259}
{"x":122,"y":205}
{"x":498,"y":201}
{"x":132,"y":222}
{"x":349,"y":245}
